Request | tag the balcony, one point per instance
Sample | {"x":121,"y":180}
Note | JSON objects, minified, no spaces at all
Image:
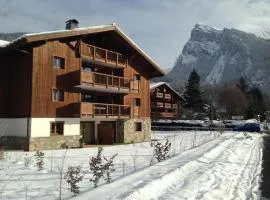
{"x":168,"y":105}
{"x":159,"y":105}
{"x":168,"y":96}
{"x":165,"y":114}
{"x":175,"y":106}
{"x":97,"y":55}
{"x":94,"y":81}
{"x":159,"y":95}
{"x":95,"y":110}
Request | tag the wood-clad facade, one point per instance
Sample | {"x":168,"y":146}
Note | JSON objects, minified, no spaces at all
{"x":165,"y":101}
{"x":82,"y":82}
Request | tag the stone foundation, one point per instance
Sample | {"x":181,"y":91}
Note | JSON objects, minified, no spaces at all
{"x":129,"y":133}
{"x":54,"y":142}
{"x":41,"y":143}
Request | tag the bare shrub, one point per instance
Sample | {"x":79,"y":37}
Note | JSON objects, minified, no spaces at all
{"x":27,"y":160}
{"x":39,"y":156}
{"x":161,"y":151}
{"x":96,"y":167}
{"x":73,"y":177}
{"x":1,"y":153}
{"x":109,"y":167}
{"x":100,"y":166}
{"x":134,"y":158}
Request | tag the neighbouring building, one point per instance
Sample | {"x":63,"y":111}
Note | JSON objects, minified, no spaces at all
{"x":78,"y":85}
{"x":165,"y":101}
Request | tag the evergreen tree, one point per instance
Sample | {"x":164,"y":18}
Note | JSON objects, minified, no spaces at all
{"x":193,"y":94}
{"x":242,"y":85}
{"x":256,"y":101}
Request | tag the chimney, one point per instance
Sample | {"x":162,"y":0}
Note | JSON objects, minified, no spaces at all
{"x":71,"y":24}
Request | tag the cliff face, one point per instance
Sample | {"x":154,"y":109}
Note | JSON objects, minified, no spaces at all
{"x":223,"y":56}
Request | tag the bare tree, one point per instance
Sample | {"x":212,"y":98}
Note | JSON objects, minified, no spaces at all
{"x":233,"y":100}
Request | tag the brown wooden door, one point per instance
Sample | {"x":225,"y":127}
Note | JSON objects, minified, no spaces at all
{"x":106,"y":133}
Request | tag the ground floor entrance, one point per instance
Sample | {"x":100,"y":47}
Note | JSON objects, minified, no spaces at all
{"x":99,"y":132}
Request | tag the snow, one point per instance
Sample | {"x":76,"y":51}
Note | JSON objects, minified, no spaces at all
{"x":4,"y":43}
{"x":203,"y":165}
{"x":207,"y":28}
{"x":216,"y":72}
{"x":154,"y":85}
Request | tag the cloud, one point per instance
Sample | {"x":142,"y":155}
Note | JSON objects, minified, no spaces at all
{"x":160,"y":27}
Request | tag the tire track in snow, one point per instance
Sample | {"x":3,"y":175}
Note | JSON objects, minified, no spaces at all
{"x":125,"y":186}
{"x":250,"y":173}
{"x":180,"y":176}
{"x":217,"y":180}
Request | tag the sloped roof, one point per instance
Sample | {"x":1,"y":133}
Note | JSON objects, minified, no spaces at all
{"x":4,"y":43}
{"x":41,"y":36}
{"x":155,"y":85}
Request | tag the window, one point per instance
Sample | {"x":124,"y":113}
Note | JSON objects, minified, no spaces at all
{"x":57,"y":95}
{"x":138,"y":126}
{"x":137,"y":77}
{"x":58,"y":62}
{"x":137,"y":102}
{"x":57,"y":128}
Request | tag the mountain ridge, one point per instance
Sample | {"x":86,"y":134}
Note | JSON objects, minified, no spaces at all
{"x":222,"y":56}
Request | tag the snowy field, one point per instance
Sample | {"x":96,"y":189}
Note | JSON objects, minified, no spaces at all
{"x":202,"y":165}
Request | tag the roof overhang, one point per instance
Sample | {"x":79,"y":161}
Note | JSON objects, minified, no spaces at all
{"x":155,"y":85}
{"x":44,"y":36}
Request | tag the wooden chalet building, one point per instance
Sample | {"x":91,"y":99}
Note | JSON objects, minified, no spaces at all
{"x":165,"y":101}
{"x":60,"y":88}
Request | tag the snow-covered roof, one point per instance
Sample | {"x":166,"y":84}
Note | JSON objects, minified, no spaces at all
{"x":4,"y":43}
{"x":33,"y":37}
{"x":155,"y":85}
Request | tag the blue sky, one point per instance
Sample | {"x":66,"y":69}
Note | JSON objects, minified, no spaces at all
{"x":160,"y":27}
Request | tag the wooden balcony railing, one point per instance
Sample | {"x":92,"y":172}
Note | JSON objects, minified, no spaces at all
{"x":159,"y":95}
{"x":105,"y":80}
{"x":167,"y":96}
{"x":164,"y":114}
{"x":103,"y":55}
{"x":168,"y":105}
{"x":175,"y":106}
{"x":159,"y":104}
{"x":105,"y":110}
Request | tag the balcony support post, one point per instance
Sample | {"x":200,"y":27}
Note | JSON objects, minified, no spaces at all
{"x":107,"y":111}
{"x":117,"y":59}
{"x":119,"y":110}
{"x":94,"y":56}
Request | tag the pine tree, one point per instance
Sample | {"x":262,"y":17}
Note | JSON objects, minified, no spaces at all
{"x":242,"y":85}
{"x":256,"y":101}
{"x":193,"y":94}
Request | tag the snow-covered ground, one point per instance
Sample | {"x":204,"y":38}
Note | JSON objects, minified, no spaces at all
{"x":203,"y":165}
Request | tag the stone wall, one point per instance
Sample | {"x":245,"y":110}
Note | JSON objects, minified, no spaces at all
{"x":54,"y":142}
{"x":130,"y":135}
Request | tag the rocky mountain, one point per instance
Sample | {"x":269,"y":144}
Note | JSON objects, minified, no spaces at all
{"x":222,"y":56}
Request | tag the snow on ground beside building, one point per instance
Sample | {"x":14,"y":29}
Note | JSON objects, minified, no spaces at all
{"x":203,"y":164}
